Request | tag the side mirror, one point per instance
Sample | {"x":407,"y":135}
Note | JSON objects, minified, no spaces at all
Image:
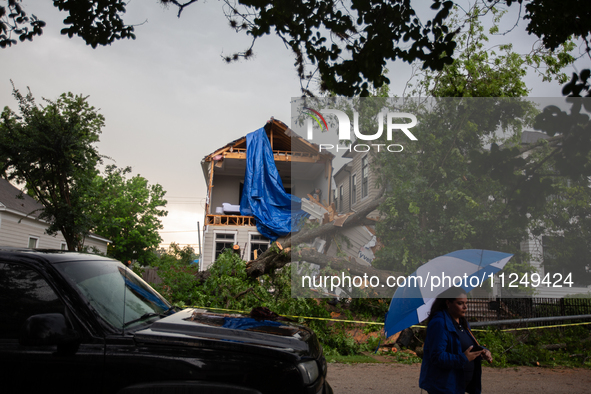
{"x":49,"y":329}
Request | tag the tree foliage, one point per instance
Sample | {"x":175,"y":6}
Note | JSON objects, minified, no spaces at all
{"x":178,"y":275}
{"x":566,"y":225}
{"x":50,"y":150}
{"x":481,"y":70}
{"x":466,"y":186}
{"x":97,"y":22}
{"x":345,"y":44}
{"x":436,"y":200}
{"x":14,"y":20}
{"x":127,"y":211}
{"x":228,"y":286}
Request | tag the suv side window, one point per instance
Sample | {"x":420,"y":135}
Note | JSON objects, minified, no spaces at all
{"x":23,"y":293}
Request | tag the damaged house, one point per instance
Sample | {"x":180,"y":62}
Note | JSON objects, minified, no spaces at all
{"x":254,"y":184}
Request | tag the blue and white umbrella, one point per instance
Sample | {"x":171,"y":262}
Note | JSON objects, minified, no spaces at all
{"x":463,"y":268}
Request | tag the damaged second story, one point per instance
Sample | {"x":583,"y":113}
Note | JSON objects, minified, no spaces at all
{"x":302,"y":170}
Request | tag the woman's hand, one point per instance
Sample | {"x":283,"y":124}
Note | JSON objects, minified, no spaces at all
{"x":487,"y":356}
{"x":471,"y":356}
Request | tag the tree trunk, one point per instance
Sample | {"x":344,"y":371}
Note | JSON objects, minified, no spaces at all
{"x":275,"y":258}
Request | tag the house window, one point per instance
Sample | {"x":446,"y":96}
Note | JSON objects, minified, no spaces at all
{"x":33,"y":242}
{"x":63,"y":246}
{"x":354,"y":189}
{"x":335,"y":199}
{"x":258,"y":244}
{"x":364,"y":177}
{"x":223,"y":241}
{"x":340,"y":209}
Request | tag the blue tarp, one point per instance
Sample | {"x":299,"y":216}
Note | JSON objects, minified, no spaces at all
{"x":277,"y":213}
{"x":244,"y":323}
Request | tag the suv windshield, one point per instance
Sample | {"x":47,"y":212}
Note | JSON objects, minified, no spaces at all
{"x":119,"y":296}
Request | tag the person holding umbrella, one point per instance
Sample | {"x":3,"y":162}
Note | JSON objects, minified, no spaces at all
{"x":451,"y":355}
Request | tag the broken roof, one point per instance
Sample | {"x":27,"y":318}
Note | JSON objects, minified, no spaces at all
{"x":282,"y":139}
{"x":288,"y":147}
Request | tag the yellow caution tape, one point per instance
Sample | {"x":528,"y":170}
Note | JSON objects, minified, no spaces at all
{"x":296,"y":317}
{"x":381,"y":324}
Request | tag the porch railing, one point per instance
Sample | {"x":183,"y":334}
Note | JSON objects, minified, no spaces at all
{"x":230,"y":220}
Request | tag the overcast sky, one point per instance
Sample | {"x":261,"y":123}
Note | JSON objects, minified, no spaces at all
{"x":168,"y":98}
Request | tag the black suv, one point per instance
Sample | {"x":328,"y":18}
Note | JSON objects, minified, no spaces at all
{"x":83,"y":323}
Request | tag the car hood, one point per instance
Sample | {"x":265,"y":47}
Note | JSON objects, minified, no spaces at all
{"x":200,"y":327}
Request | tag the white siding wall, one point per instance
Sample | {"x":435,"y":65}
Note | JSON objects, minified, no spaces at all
{"x":533,"y":246}
{"x":13,"y":233}
{"x":372,"y":182}
{"x":100,"y":245}
{"x":242,"y":238}
{"x":343,"y":179}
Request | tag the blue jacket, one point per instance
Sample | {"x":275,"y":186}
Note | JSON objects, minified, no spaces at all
{"x":442,"y":370}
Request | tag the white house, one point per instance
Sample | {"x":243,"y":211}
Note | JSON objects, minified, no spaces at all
{"x":302,"y":168}
{"x":20,"y":225}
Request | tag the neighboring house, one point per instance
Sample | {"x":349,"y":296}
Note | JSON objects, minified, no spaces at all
{"x":302,"y":169}
{"x":20,"y":225}
{"x":355,"y":187}
{"x":356,"y":183}
{"x":535,"y":245}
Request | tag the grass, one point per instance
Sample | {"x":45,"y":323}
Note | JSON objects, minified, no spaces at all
{"x":356,"y":359}
{"x":381,"y":357}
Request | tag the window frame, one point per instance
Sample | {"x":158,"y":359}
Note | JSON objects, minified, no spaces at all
{"x":33,"y":237}
{"x":353,"y":189}
{"x":215,"y":241}
{"x":364,"y":177}
{"x":252,"y":242}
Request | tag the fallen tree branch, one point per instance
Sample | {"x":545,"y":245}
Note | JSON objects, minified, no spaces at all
{"x":278,"y":255}
{"x":242,"y":293}
{"x":267,"y":265}
{"x":327,"y":228}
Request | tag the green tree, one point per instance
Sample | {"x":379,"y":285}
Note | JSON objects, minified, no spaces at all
{"x":128,"y":212}
{"x":50,"y":150}
{"x":346,"y":44}
{"x":566,"y":223}
{"x":437,"y":201}
{"x":481,"y":70}
{"x":184,"y":256}
{"x":465,"y":184}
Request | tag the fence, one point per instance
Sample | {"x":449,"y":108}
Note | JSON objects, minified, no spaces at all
{"x":150,"y":275}
{"x":492,"y":309}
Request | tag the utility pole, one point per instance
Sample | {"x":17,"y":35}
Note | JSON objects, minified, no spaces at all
{"x":200,"y":252}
